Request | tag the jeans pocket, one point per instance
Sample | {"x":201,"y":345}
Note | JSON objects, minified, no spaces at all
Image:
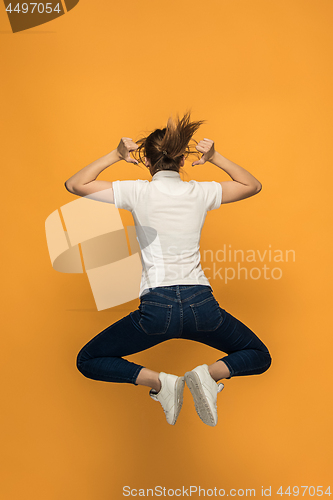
{"x":154,"y":317}
{"x":207,"y":314}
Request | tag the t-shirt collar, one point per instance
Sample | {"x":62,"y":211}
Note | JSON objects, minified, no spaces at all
{"x":166,"y":173}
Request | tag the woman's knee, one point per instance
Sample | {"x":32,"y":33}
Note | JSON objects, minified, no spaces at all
{"x":268,"y":361}
{"x":81,"y":358}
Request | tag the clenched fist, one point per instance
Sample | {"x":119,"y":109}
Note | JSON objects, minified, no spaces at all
{"x":206,"y":146}
{"x":125,"y":146}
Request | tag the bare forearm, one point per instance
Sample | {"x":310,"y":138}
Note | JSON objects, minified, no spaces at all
{"x":91,"y":171}
{"x":236,"y":172}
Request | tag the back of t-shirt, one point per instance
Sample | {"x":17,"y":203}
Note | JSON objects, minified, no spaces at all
{"x":168,"y":214}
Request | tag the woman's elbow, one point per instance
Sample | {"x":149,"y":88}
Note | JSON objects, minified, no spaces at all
{"x":258,"y":187}
{"x":68,"y":187}
{"x":254,"y":189}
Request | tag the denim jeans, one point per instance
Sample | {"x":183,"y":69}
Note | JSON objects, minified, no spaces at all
{"x":172,"y":312}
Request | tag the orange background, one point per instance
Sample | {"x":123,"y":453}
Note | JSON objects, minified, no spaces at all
{"x":260,"y":73}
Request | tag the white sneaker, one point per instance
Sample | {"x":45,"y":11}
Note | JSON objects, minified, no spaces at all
{"x":170,"y":395}
{"x":204,"y":390}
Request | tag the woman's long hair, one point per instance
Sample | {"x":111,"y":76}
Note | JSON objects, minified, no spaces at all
{"x":165,"y":147}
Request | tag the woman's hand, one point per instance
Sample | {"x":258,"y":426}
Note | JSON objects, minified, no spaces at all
{"x":206,"y":146}
{"x":124,"y":147}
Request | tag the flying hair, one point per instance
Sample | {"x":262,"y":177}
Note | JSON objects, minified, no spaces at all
{"x":166,"y":147}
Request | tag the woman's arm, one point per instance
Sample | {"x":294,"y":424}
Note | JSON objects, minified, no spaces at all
{"x":91,"y":171}
{"x":236,"y":172}
{"x":84,"y":181}
{"x":243,"y":184}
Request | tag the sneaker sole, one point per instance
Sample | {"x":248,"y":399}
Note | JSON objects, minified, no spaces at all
{"x":200,"y":401}
{"x":180,"y":384}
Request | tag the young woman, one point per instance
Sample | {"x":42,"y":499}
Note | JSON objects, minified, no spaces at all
{"x":176,"y":299}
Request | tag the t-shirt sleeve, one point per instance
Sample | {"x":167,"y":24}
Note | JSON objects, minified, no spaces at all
{"x":212,"y":194}
{"x":125,"y":194}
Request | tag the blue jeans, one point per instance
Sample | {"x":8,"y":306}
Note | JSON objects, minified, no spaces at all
{"x":173,"y":312}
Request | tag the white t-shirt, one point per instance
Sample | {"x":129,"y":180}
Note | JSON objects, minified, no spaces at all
{"x":169,"y":215}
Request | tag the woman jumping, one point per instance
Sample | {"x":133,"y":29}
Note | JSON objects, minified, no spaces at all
{"x":176,"y":299}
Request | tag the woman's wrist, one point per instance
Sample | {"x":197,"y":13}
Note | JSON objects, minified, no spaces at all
{"x":115,"y":156}
{"x":213,"y":158}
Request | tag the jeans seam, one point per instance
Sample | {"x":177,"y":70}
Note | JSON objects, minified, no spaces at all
{"x":196,"y":294}
{"x":162,"y":295}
